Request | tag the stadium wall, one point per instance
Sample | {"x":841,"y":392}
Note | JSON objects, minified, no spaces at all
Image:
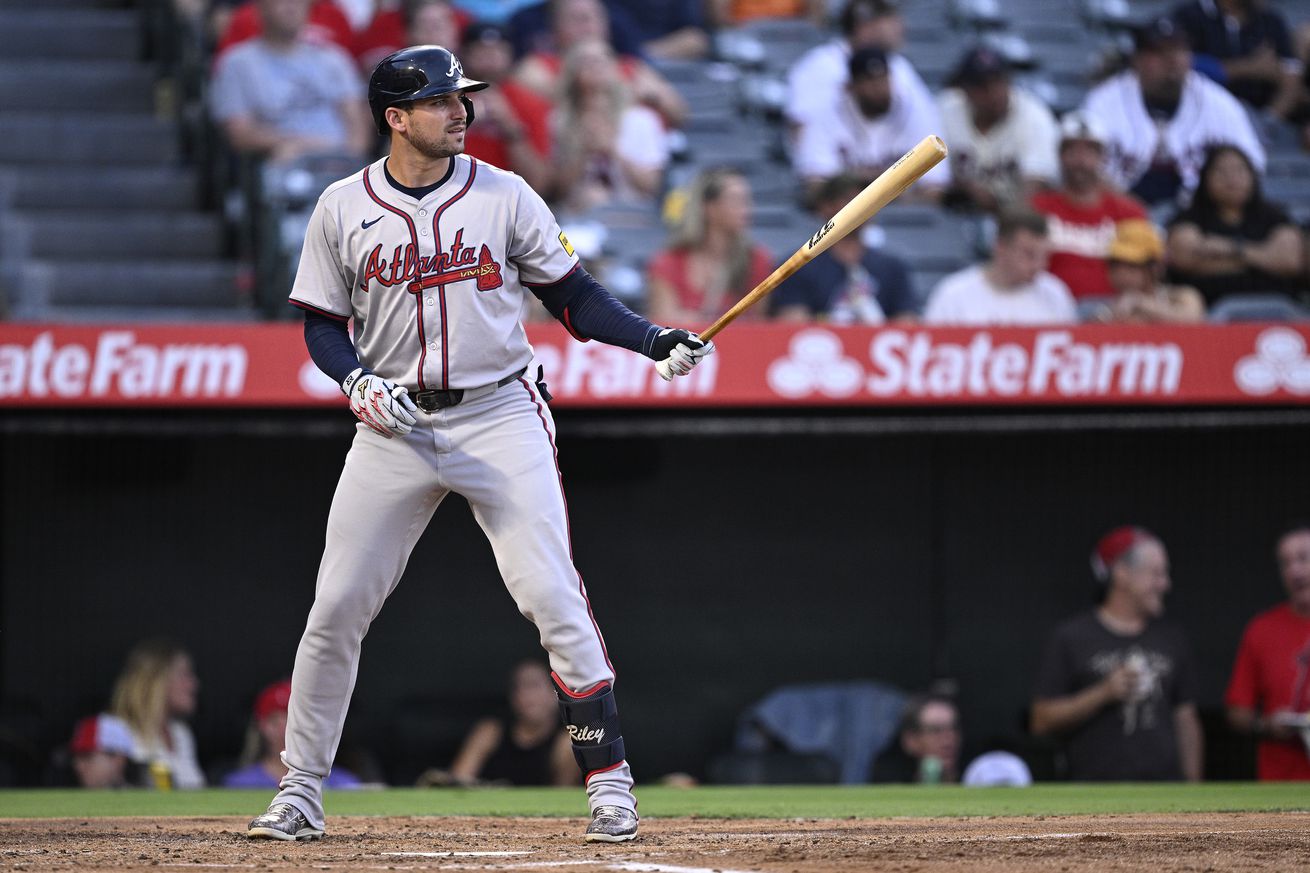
{"x":900,"y":557}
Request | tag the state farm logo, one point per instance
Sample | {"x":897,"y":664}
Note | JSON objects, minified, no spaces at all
{"x":316,"y":383}
{"x":1279,"y":362}
{"x":816,"y":362}
{"x":119,"y":365}
{"x":1047,"y":363}
{"x":608,"y":372}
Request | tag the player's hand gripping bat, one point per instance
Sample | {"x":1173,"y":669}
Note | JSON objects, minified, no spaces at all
{"x":863,"y":206}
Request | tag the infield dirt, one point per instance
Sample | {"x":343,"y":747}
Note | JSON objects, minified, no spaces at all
{"x":1190,"y":842}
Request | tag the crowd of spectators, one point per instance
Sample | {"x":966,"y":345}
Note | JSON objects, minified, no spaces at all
{"x":1116,"y":689}
{"x":580,"y":110}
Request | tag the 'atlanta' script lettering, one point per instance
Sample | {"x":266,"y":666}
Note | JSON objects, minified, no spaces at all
{"x":406,"y":265}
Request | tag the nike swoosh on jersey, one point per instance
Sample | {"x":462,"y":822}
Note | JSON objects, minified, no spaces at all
{"x":367,"y":224}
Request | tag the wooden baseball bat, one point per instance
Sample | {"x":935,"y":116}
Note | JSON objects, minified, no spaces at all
{"x":883,"y":190}
{"x":887,"y":187}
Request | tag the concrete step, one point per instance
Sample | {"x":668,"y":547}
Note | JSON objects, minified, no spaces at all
{"x":42,"y":186}
{"x":87,"y":138}
{"x":96,"y":85}
{"x":68,"y":34}
{"x":116,"y":235}
{"x":207,"y":283}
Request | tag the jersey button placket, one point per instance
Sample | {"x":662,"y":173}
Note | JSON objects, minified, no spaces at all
{"x":432,"y":364}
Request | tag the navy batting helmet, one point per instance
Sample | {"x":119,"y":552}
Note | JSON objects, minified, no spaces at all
{"x":415,"y":73}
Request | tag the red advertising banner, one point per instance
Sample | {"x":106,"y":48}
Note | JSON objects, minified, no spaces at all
{"x":266,"y":365}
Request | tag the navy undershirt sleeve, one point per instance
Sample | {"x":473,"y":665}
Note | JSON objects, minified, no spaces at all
{"x":591,"y":312}
{"x":330,"y":346}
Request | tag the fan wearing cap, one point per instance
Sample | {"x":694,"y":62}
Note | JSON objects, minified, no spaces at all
{"x":1117,"y":683}
{"x":1082,"y":213}
{"x":866,"y":130}
{"x":817,"y":78}
{"x":261,"y":759}
{"x":1002,"y":138}
{"x":1136,"y":268}
{"x":101,"y":750}
{"x":1160,"y":116}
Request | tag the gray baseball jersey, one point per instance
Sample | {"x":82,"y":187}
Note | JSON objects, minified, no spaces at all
{"x":435,"y":287}
{"x":459,"y":260}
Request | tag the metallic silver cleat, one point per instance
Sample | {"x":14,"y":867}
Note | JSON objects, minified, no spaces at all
{"x":611,"y":824}
{"x":283,"y":822}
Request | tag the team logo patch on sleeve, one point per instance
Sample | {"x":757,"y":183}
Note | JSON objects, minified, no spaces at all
{"x":564,"y":241}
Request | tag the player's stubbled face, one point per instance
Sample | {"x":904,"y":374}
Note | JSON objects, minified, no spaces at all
{"x":435,"y":127}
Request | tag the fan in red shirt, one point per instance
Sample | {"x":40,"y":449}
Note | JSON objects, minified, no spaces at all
{"x":1083,"y":213}
{"x":513,"y":123}
{"x":327,"y":23}
{"x":1269,"y":693}
{"x":413,"y":22}
{"x":575,"y":22}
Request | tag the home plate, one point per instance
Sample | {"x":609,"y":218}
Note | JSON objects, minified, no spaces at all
{"x":455,"y":854}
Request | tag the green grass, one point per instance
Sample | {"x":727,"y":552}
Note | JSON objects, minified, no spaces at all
{"x":863,"y":801}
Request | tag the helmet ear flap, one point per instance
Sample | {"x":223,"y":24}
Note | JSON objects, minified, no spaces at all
{"x":468,"y":109}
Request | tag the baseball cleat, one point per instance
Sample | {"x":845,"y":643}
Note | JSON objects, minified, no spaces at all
{"x":611,"y":824}
{"x":283,"y":822}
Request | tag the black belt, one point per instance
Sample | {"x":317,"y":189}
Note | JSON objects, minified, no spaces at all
{"x":433,"y":399}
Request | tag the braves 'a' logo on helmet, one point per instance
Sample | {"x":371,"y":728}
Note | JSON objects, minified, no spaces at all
{"x":456,"y":68}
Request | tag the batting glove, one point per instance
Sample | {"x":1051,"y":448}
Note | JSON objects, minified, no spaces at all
{"x":678,"y":351}
{"x":382,"y":405}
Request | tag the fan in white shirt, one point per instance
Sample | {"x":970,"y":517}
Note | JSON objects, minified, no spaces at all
{"x":819,"y":76}
{"x":1013,"y":288}
{"x":1161,"y":117}
{"x":1002,"y":139}
{"x":866,"y":130}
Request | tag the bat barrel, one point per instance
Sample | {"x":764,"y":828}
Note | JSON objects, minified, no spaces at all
{"x":893,"y":181}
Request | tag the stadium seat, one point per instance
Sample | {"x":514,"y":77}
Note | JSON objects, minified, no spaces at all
{"x":977,"y":14}
{"x":1090,"y":308}
{"x":1257,"y":307}
{"x":849,"y":722}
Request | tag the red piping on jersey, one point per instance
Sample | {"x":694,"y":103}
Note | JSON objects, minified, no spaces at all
{"x":577,"y":695}
{"x":604,"y":770}
{"x":568,"y":325}
{"x":332,"y":315}
{"x":441,"y":289}
{"x":413,"y":235}
{"x":550,"y":284}
{"x":568,"y":527}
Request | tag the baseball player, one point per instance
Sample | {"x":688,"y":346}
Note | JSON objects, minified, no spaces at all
{"x":430,"y":252}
